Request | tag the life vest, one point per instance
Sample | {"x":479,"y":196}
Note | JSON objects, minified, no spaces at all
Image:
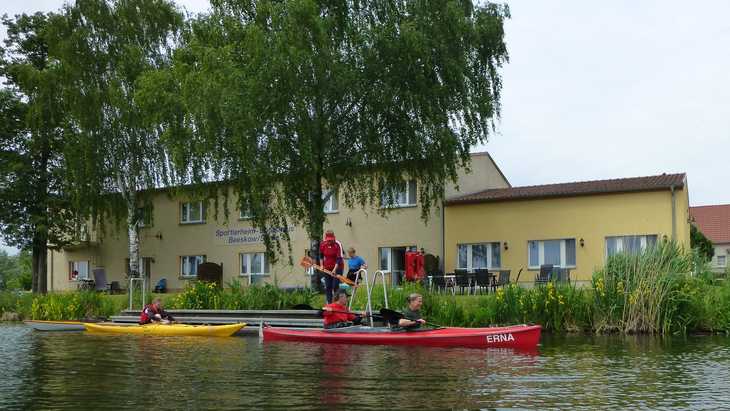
{"x":144,"y":318}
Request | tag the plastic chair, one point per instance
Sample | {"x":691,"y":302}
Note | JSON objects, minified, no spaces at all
{"x":161,"y":286}
{"x":482,"y":279}
{"x":462,"y":280}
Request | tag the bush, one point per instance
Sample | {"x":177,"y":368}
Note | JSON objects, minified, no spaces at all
{"x":73,"y":306}
{"x":201,"y":295}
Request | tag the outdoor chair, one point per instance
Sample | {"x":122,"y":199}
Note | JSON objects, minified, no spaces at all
{"x":114,"y":288}
{"x":462,"y":280}
{"x":438,"y":281}
{"x":482,"y":279}
{"x":562,"y":275}
{"x":503,"y":278}
{"x":100,"y":283}
{"x":161,"y":286}
{"x":544,"y":275}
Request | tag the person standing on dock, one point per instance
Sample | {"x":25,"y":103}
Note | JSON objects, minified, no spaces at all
{"x":354,"y":263}
{"x":332,"y":256}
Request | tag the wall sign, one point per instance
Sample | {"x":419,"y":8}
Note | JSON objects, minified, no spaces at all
{"x":248,"y":235}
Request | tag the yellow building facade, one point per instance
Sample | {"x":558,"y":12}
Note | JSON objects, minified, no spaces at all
{"x":574,"y":226}
{"x":181,"y":233}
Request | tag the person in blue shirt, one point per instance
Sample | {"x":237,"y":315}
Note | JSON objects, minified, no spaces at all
{"x":354,"y":263}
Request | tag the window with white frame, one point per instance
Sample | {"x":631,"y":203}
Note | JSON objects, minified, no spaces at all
{"x":254,"y":266}
{"x":192,"y":212}
{"x":481,"y":255}
{"x":559,"y":253}
{"x":630,"y":244}
{"x":721,"y":261}
{"x":403,"y":195}
{"x":189,"y":265}
{"x":78,"y":270}
{"x":330,"y":204}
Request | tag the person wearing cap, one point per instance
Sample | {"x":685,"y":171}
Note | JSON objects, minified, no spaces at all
{"x":331,"y":254}
{"x":337,"y":315}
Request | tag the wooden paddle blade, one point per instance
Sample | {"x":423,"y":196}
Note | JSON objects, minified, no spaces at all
{"x":306,"y":262}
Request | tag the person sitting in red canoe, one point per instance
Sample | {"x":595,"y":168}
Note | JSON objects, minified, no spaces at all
{"x":336,"y":314}
{"x":412,"y":314}
{"x":153,"y":313}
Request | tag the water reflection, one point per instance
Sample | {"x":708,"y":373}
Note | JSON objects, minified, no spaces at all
{"x":79,"y":371}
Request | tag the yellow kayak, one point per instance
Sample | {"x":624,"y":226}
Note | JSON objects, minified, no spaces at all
{"x":169,"y":330}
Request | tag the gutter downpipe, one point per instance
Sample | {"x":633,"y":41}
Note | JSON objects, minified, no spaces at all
{"x":442,"y":262}
{"x":674,"y":213}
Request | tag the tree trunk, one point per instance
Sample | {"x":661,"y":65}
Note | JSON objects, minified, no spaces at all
{"x":39,"y":263}
{"x":315,"y":229}
{"x":133,"y":234}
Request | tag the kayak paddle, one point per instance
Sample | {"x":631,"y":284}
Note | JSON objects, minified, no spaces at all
{"x":392,"y":317}
{"x":308,"y":262}
{"x":309,"y":307}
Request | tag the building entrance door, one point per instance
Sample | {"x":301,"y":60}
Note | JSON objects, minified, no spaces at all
{"x":393,"y":260}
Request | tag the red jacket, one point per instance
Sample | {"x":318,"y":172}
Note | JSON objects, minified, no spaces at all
{"x":339,"y":317}
{"x":331,"y":252}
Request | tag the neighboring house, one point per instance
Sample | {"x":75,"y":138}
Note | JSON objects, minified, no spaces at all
{"x":180,"y":233}
{"x":714,"y":222}
{"x":572,"y":225}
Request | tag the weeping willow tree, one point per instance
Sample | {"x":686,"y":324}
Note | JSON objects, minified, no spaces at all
{"x":112,"y":153}
{"x":292,"y":100}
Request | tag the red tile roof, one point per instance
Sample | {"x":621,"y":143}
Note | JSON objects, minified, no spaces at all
{"x":713,"y":221}
{"x":621,"y":185}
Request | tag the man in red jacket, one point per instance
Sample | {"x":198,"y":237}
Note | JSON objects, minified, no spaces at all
{"x":331,"y":254}
{"x":337,"y":315}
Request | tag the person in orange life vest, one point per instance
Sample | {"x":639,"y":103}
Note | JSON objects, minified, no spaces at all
{"x":337,"y":315}
{"x":331,"y":254}
{"x":154,"y":313}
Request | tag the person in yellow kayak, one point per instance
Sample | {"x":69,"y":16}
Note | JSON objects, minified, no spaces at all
{"x":153,"y":313}
{"x":412,"y":314}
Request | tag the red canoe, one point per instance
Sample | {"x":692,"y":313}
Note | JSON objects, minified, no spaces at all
{"x":517,"y":336}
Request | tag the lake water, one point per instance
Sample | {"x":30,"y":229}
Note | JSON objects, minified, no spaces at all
{"x":79,"y":371}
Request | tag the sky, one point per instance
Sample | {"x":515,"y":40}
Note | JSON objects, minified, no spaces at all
{"x":597,"y":90}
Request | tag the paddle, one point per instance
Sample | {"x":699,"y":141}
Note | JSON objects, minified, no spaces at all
{"x":309,"y":307}
{"x":307,"y":262}
{"x":392,"y":317}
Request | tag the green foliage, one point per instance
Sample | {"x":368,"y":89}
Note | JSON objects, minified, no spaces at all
{"x":702,"y":244}
{"x":201,"y":295}
{"x":33,"y":207}
{"x":15,"y":273}
{"x":73,"y":306}
{"x":287,"y":99}
{"x":651,"y":292}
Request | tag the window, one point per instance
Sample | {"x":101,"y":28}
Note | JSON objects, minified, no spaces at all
{"x":192,"y":212}
{"x":721,"y":261}
{"x":145,"y":216}
{"x":78,"y":270}
{"x":631,"y":244}
{"x":189,"y":265}
{"x":483,"y":255}
{"x":559,"y":253}
{"x":255,"y":266}
{"x":245,"y":214}
{"x":330,"y":205}
{"x":403,"y":195}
